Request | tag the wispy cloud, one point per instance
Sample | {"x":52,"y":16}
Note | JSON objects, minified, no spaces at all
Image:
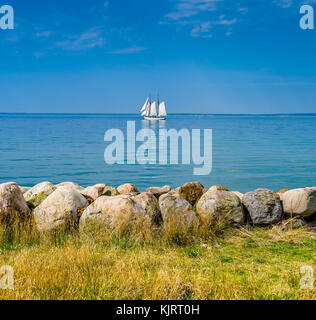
{"x":199,"y":15}
{"x":190,"y":8}
{"x":89,"y":39}
{"x":129,"y":50}
{"x":43,"y":34}
{"x":204,"y":18}
{"x":202,"y":30}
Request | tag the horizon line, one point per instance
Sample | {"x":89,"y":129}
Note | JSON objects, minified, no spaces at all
{"x":121,"y":113}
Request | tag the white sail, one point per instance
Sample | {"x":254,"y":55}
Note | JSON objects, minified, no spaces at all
{"x":144,"y":112}
{"x":153,"y":111}
{"x":147,"y":110}
{"x":162,"y":109}
{"x":144,"y":106}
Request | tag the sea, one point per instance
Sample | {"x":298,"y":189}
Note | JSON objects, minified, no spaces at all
{"x":248,"y":151}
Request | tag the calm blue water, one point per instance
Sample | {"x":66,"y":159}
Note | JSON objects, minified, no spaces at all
{"x":248,"y":151}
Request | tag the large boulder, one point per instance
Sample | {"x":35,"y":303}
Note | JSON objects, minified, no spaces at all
{"x":157,"y":192}
{"x":112,"y":212}
{"x":69,"y":185}
{"x":150,"y":204}
{"x":191,"y":191}
{"x":110,"y":191}
{"x":264,"y":206}
{"x":220,"y":205}
{"x":92,"y":193}
{"x":219,"y":188}
{"x":127,"y":188}
{"x":60,"y":210}
{"x":299,"y":202}
{"x":36,"y":195}
{"x":12,"y":203}
{"x":175,"y":209}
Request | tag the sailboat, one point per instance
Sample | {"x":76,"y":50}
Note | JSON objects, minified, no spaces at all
{"x":149,"y":110}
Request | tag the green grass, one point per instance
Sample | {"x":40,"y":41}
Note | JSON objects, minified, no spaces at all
{"x":236,"y":264}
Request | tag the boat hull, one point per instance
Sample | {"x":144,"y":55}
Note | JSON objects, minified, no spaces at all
{"x":154,"y":118}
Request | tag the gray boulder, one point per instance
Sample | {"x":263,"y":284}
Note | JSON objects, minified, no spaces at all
{"x":157,"y":192}
{"x":12,"y":203}
{"x":110,"y":191}
{"x":299,"y":202}
{"x":191,"y":191}
{"x":175,"y":209}
{"x":220,"y":205}
{"x":112,"y":212}
{"x":36,"y":195}
{"x":60,"y":210}
{"x":264,"y":206}
{"x":127,"y":188}
{"x":93,"y":192}
{"x":150,"y":204}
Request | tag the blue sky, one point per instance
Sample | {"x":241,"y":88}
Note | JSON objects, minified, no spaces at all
{"x":204,"y":56}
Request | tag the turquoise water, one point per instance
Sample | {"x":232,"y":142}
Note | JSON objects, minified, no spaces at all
{"x":249,"y":151}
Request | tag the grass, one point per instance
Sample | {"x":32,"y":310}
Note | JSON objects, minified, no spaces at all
{"x":243,"y":263}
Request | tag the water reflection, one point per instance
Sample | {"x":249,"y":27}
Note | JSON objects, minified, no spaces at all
{"x":153,"y":124}
{"x":148,"y":152}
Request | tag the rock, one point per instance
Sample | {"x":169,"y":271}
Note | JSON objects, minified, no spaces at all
{"x":60,"y":210}
{"x":12,"y":203}
{"x":150,"y":204}
{"x":25,"y":189}
{"x":238,"y":194}
{"x":93,"y":192}
{"x":110,"y":191}
{"x":299,"y":202}
{"x":127,"y":188}
{"x":111,"y":211}
{"x":157,"y":192}
{"x":219,"y":188}
{"x":175,"y":191}
{"x":191,"y":191}
{"x":175,"y":209}
{"x":295,"y":223}
{"x":264,"y":206}
{"x":282,"y":191}
{"x":220,"y":205}
{"x":36,"y":195}
{"x":69,"y":184}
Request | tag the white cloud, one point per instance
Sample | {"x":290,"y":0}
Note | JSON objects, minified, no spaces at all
{"x":220,"y":15}
{"x":129,"y":50}
{"x":89,"y":39}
